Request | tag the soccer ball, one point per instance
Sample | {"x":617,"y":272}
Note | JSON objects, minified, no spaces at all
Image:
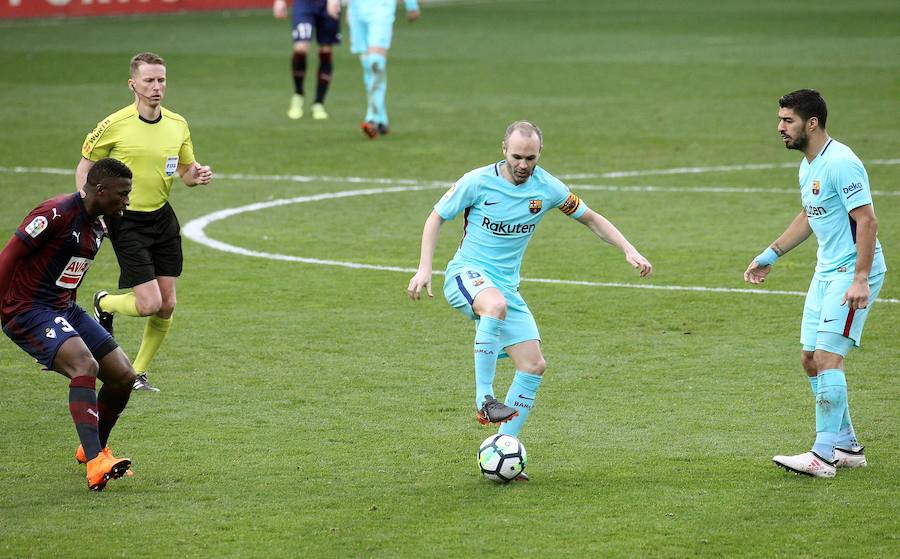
{"x":501,"y":458}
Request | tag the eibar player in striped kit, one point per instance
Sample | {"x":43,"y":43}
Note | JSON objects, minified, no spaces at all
{"x":502,"y":203}
{"x":41,"y":268}
{"x":850,"y":268}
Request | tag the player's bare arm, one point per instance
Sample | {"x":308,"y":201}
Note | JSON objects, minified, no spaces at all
{"x":797,"y":232}
{"x":195,"y":174}
{"x":608,"y":233}
{"x":333,"y":8}
{"x":81,"y":172}
{"x":422,"y":279}
{"x":857,"y":296}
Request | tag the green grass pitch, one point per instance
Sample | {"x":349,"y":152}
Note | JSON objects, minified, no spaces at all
{"x":311,"y":410}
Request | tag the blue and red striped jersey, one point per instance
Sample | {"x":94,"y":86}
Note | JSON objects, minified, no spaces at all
{"x":62,"y":238}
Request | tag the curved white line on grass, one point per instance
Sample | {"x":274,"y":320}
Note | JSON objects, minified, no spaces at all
{"x":195,"y":230}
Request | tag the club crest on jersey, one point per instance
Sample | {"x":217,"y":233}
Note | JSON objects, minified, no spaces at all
{"x":534,"y":206}
{"x":73,"y":272}
{"x":815,"y":188}
{"x":50,"y":333}
{"x":478,"y":281}
{"x":37,"y":225}
{"x":171,"y":165}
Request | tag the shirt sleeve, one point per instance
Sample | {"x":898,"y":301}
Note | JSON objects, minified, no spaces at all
{"x":99,"y":142}
{"x":411,"y":5}
{"x":39,"y":226}
{"x":567,"y":202}
{"x":186,"y":153}
{"x":851,"y":183}
{"x":460,"y":196}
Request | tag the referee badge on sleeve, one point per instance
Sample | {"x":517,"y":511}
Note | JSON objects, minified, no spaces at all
{"x":171,"y":165}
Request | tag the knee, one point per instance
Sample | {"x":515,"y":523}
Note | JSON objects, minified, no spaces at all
{"x":825,"y":360}
{"x":167,"y":307}
{"x":534,"y":366}
{"x":148,"y":305}
{"x":495,"y":308}
{"x":85,"y":366}
{"x":808,"y":361}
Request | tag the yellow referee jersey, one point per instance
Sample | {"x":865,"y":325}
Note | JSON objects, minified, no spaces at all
{"x":153,"y":151}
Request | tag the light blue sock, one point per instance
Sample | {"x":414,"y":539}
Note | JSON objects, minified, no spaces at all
{"x":521,"y":396}
{"x":367,"y":81}
{"x":847,"y":436}
{"x":487,"y":349}
{"x":814,"y":384}
{"x":831,"y":401}
{"x":378,"y":66}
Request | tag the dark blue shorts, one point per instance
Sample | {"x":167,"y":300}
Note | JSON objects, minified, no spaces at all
{"x":42,"y":331}
{"x":308,"y":15}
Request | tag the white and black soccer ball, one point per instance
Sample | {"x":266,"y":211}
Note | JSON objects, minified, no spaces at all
{"x":501,"y":458}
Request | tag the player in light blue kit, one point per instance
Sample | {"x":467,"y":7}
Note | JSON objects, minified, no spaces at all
{"x":837,"y":207}
{"x":502,"y":204}
{"x":371,"y":25}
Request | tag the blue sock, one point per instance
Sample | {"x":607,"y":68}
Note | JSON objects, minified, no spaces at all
{"x":847,"y":436}
{"x":521,"y":396}
{"x":367,"y":81}
{"x":378,"y":87}
{"x":814,"y":384}
{"x":487,"y":349}
{"x":831,"y":401}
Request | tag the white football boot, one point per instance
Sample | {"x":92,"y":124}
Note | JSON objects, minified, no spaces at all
{"x":808,"y":464}
{"x":853,"y":458}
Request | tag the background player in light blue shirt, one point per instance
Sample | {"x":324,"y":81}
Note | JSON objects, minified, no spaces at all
{"x":837,"y":207}
{"x":503,"y":203}
{"x":371,"y":25}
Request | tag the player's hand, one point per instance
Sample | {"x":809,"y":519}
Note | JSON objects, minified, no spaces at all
{"x":279,"y":9}
{"x":200,"y":174}
{"x":857,"y":297}
{"x":333,"y":8}
{"x":413,"y":15}
{"x":639,"y":263}
{"x":418,"y":281}
{"x":755,"y":273}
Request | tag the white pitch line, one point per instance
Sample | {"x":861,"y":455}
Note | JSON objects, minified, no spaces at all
{"x":195,"y":230}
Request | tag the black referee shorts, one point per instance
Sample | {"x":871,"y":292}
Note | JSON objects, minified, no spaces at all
{"x":147,"y":245}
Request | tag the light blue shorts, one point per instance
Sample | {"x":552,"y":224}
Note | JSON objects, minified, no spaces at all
{"x":371,"y":24}
{"x":823,"y":311}
{"x":463,"y":283}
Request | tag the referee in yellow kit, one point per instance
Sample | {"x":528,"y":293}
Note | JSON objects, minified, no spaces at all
{"x":156,"y":144}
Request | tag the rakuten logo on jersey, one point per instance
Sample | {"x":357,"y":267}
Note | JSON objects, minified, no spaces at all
{"x":73,"y":272}
{"x":505,"y":229}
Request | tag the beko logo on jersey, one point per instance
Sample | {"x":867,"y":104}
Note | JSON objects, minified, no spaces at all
{"x":854,"y":188}
{"x":813,"y":211}
{"x":503,"y":229}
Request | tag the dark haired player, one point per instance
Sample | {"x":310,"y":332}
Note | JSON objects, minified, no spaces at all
{"x":850,"y":268}
{"x":40,"y":270}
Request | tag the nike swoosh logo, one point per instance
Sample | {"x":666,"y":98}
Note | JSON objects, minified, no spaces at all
{"x":490,"y":203}
{"x":482,"y":343}
{"x":525,"y":397}
{"x":827,"y":320}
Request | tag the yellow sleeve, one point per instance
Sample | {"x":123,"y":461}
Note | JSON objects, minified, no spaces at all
{"x":100,"y":142}
{"x":186,"y":154}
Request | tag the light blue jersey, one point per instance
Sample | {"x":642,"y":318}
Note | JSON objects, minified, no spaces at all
{"x":500,"y":218}
{"x":830,"y":187}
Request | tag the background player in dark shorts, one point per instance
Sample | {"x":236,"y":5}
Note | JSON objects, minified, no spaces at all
{"x":323,"y":16}
{"x":40,"y":270}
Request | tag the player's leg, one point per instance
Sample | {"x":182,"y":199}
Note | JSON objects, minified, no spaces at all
{"x":155,"y":331}
{"x":473,"y":293}
{"x":328,"y":34}
{"x":132,"y":244}
{"x":808,"y":463}
{"x":302,"y":24}
{"x":377,"y":61}
{"x":358,"y":24}
{"x":118,"y":377}
{"x":298,"y":73}
{"x":530,"y":366}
